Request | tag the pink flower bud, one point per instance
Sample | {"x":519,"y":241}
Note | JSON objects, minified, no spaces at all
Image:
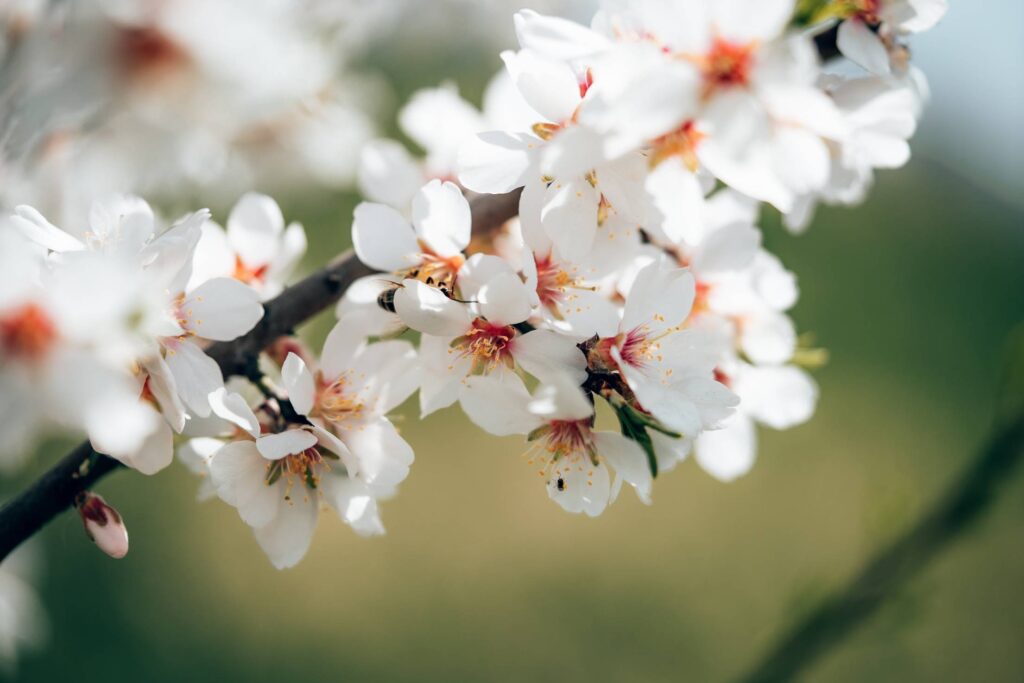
{"x":103,"y":524}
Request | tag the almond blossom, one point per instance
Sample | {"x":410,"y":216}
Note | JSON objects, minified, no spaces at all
{"x":571,"y":456}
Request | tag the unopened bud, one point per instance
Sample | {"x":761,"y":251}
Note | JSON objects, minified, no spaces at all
{"x":103,"y":524}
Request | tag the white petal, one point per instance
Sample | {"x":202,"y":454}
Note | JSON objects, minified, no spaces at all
{"x":745,"y":20}
{"x":661,"y":297}
{"x":729,"y":452}
{"x":239,"y":475}
{"x":498,"y":404}
{"x":195,"y":374}
{"x":298,"y":382}
{"x":343,"y":342}
{"x":286,"y":539}
{"x":768,"y":338}
{"x":628,"y":460}
{"x":254,"y":228}
{"x":579,"y":486}
{"x":780,"y":397}
{"x":557,"y":38}
{"x":438,"y":119}
{"x":35,"y":227}
{"x":283,"y":444}
{"x":426,"y":309}
{"x":862,"y":46}
{"x":730,"y":248}
{"x":496,"y":161}
{"x":550,"y":87}
{"x":392,"y":370}
{"x":545,"y":354}
{"x":234,"y":408}
{"x":569,"y":217}
{"x":441,"y":216}
{"x":388,"y":173}
{"x":669,"y":451}
{"x":355,"y":503}
{"x":384,"y":456}
{"x":222,"y":309}
{"x":560,"y":398}
{"x":382,"y":238}
{"x":505,"y":300}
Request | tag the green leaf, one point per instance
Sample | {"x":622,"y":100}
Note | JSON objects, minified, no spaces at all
{"x":634,"y":430}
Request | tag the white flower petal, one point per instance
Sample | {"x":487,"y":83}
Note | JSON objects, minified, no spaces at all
{"x":426,"y":309}
{"x":287,"y":537}
{"x":661,"y":297}
{"x":239,"y":475}
{"x":234,"y":408}
{"x":35,"y":227}
{"x":388,"y":174}
{"x":505,"y":300}
{"x":780,"y":397}
{"x":441,"y":216}
{"x":196,"y":375}
{"x":628,"y":460}
{"x":298,"y":382}
{"x":498,"y":404}
{"x":283,"y":444}
{"x":382,"y":238}
{"x":546,"y":354}
{"x":222,"y":309}
{"x":254,"y":228}
{"x":861,"y":45}
{"x":728,"y":453}
{"x":497,"y":161}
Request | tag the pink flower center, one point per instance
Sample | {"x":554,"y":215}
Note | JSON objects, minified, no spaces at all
{"x":487,"y":344}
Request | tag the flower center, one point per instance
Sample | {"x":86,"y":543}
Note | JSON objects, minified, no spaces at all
{"x":27,"y":333}
{"x":437,"y":271}
{"x":337,"y":403}
{"x":681,"y":142}
{"x":554,"y":283}
{"x":566,"y":449}
{"x":146,"y":52}
{"x":488,"y":345}
{"x":306,"y":467}
{"x":727,"y":64}
{"x":247,"y":274}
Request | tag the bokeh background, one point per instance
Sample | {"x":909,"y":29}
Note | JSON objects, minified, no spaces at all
{"x":480,"y":578}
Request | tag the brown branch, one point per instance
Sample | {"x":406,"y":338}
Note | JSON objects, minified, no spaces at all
{"x":55,"y":491}
{"x":962,"y":505}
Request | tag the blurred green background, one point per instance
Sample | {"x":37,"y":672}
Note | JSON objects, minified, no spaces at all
{"x":481,"y":578}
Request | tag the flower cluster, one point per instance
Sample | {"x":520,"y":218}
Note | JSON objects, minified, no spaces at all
{"x":103,"y":324}
{"x":226,"y":95}
{"x":628,"y":316}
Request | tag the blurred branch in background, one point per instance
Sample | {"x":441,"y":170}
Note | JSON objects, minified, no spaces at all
{"x":963,"y":504}
{"x":28,"y":512}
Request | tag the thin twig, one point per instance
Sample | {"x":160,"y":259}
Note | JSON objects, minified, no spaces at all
{"x":29,"y":511}
{"x":960,"y":507}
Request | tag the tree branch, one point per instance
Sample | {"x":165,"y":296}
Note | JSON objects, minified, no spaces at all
{"x":962,"y":505}
{"x":55,"y":491}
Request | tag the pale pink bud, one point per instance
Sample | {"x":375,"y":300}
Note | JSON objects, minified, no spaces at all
{"x":103,"y":524}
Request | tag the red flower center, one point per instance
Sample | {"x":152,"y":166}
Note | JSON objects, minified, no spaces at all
{"x":727,"y":64}
{"x":27,"y":333}
{"x":248,"y":274}
{"x":487,"y":344}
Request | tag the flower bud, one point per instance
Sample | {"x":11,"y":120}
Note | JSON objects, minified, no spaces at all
{"x":103,"y":524}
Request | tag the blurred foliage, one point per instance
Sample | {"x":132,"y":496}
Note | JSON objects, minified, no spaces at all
{"x":482,"y":578}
